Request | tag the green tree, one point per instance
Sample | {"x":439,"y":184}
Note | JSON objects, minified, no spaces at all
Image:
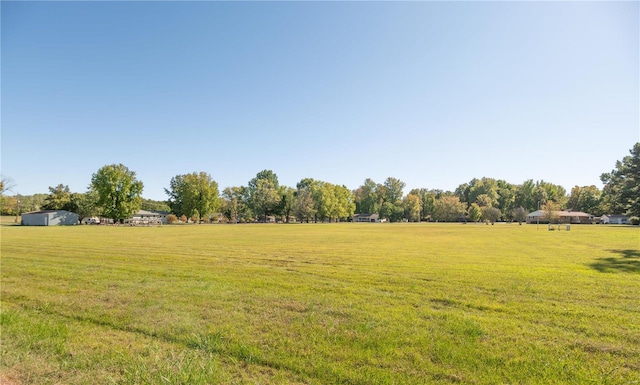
{"x":475,"y":212}
{"x":491,"y":214}
{"x":411,"y":205}
{"x":554,"y":192}
{"x":304,"y":205}
{"x":393,"y":190}
{"x":484,"y":200}
{"x":525,"y":196}
{"x":622,"y":184}
{"x":287,"y":201}
{"x":60,"y":198}
{"x":448,"y":208}
{"x":87,"y":204}
{"x":234,"y":205}
{"x":392,"y":207}
{"x":506,"y":198}
{"x":326,"y":201}
{"x":152,"y":205}
{"x":550,"y":210}
{"x":427,"y":202}
{"x":366,"y":198}
{"x":586,"y":199}
{"x":193,"y":195}
{"x":485,"y":187}
{"x":263,"y":193}
{"x":119,"y":192}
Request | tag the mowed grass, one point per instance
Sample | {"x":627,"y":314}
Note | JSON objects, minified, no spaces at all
{"x":321,"y":304}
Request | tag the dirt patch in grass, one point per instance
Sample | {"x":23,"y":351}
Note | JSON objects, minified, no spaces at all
{"x":5,"y":380}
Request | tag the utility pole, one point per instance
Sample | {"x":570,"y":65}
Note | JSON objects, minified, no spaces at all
{"x":17,"y":207}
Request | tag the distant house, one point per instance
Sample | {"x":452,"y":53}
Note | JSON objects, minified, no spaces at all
{"x":563,"y":217}
{"x":149,"y":217}
{"x":366,"y":218}
{"x":617,"y":219}
{"x":50,"y":218}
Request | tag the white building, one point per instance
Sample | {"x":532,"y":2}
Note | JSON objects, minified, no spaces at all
{"x":149,"y":217}
{"x":366,"y":218}
{"x":615,"y":219}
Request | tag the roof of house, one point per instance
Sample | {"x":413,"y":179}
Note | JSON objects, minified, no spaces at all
{"x":47,"y":212}
{"x":615,"y":216}
{"x":562,"y":213}
{"x":365,"y":215}
{"x":146,"y":212}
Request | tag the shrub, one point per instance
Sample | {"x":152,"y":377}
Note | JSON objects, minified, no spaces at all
{"x":183,"y":218}
{"x":172,"y":218}
{"x":634,"y":221}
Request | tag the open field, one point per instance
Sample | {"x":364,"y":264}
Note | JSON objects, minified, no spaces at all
{"x":6,"y":220}
{"x":321,"y":304}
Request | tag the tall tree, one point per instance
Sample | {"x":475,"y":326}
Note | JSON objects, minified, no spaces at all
{"x":234,"y":205}
{"x":411,"y":205}
{"x":287,"y":201}
{"x":304,"y":205}
{"x":586,"y":199}
{"x":119,"y":192}
{"x":392,"y":208}
{"x":59,"y":198}
{"x":87,"y":204}
{"x":393,"y":190}
{"x":326,"y":201}
{"x":550,"y":210}
{"x":153,"y":205}
{"x":366,"y":198}
{"x":474,"y":212}
{"x":506,"y":198}
{"x":622,"y":184}
{"x":448,"y":208}
{"x":427,"y":202}
{"x":554,"y":192}
{"x":263,"y":191}
{"x":487,"y":187}
{"x":193,"y":195}
{"x":346,"y":206}
{"x":525,"y":196}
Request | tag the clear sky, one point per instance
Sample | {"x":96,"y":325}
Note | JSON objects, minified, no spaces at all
{"x":432,"y":93}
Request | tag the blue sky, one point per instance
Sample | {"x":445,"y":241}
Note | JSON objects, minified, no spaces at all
{"x":432,"y":93}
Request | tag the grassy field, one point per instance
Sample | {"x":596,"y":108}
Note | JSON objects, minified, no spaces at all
{"x":321,"y":304}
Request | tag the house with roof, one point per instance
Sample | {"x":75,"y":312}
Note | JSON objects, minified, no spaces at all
{"x":366,"y":218}
{"x":562,"y":217}
{"x":617,"y":219}
{"x":50,"y":218}
{"x":149,"y":217}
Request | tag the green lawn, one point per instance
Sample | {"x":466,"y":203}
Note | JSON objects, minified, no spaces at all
{"x":321,"y":304}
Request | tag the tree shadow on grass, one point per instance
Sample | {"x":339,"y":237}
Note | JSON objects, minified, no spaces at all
{"x":626,"y":261}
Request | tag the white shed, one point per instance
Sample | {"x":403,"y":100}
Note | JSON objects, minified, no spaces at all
{"x":50,"y":218}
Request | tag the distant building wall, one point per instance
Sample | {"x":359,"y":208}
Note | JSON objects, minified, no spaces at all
{"x":50,"y":218}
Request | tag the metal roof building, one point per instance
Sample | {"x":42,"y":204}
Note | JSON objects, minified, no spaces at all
{"x":50,"y":218}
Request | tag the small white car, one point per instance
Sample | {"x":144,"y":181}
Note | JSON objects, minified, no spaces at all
{"x":91,"y":221}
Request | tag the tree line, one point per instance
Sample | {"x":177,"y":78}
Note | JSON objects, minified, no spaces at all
{"x":116,"y":193}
